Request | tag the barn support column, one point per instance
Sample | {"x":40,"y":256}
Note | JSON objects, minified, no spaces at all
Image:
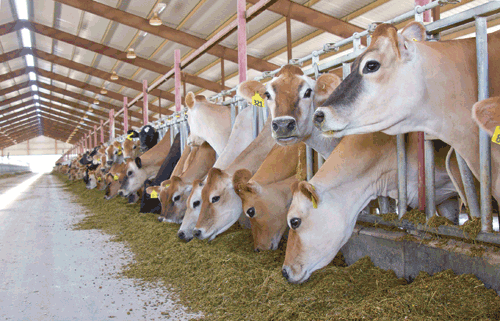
{"x":177,"y":71}
{"x":242,"y":40}
{"x":145,"y":110}
{"x":125,"y":114}
{"x":102,"y":131}
{"x":289,"y":38}
{"x":90,"y":139}
{"x":95,"y":135}
{"x":111,"y":124}
{"x":222,"y":77}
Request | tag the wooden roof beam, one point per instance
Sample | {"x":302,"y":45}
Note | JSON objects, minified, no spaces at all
{"x":166,"y":32}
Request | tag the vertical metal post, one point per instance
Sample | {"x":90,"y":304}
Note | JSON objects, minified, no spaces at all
{"x":183,"y":135}
{"x":469,"y":187}
{"x":95,"y":136}
{"x":102,"y":131}
{"x":430,"y":185}
{"x":402,"y":197}
{"x":172,"y":135}
{"x":90,"y":139}
{"x":111,"y":124}
{"x":222,"y":77}
{"x":255,"y":120}
{"x":241,"y":105}
{"x":315,"y":63}
{"x":309,"y":162}
{"x":383,"y":204}
{"x":484,"y":138}
{"x":233,"y":111}
{"x":145,"y":109}
{"x":356,"y":43}
{"x":125,"y":114}
{"x":177,"y":69}
{"x":242,"y":40}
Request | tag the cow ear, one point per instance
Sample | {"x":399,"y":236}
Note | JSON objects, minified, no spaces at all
{"x":325,"y":85}
{"x":414,"y":31}
{"x":190,"y":99}
{"x":486,"y":113}
{"x":138,"y":162}
{"x":240,"y":179}
{"x":248,"y":89}
{"x":166,"y":183}
{"x":150,"y":189}
{"x":310,"y":193}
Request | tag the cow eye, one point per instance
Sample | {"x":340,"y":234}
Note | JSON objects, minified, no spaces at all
{"x":129,"y":173}
{"x":134,"y":147}
{"x":215,"y":199}
{"x":295,"y":223}
{"x":178,"y":197}
{"x":267,"y":94}
{"x":308,"y":93}
{"x":371,"y":66}
{"x":196,"y":204}
{"x":251,"y":212}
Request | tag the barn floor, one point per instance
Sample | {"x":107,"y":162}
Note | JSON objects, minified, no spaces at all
{"x":48,"y":271}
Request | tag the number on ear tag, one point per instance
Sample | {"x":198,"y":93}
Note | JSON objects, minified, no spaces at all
{"x":496,"y":136}
{"x":154,"y":194}
{"x":257,"y":100}
{"x":115,"y":177}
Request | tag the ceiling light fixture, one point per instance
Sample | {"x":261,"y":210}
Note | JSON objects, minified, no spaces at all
{"x":34,"y":88}
{"x":96,"y":102}
{"x":32,"y":76}
{"x":114,"y":76}
{"x":30,"y":61}
{"x":104,"y":91}
{"x":22,"y":9}
{"x":155,"y":21}
{"x":131,"y":53}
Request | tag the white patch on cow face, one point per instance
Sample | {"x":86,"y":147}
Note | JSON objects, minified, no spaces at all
{"x":192,"y":214}
{"x":134,"y":178}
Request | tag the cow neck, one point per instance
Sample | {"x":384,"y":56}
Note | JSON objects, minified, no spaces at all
{"x":321,"y":144}
{"x":448,"y":110}
{"x":157,"y":154}
{"x":212,"y":123}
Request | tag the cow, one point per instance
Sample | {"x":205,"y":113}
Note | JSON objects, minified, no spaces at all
{"x":399,"y":85}
{"x":210,"y":122}
{"x":131,"y":147}
{"x":144,"y":167}
{"x":153,"y":205}
{"x":193,"y":206}
{"x":324,"y":210}
{"x":114,"y":153}
{"x":148,"y":137}
{"x":114,"y":179}
{"x":175,"y":191}
{"x":221,"y":207}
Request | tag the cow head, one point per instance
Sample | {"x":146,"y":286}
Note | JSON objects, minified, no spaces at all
{"x":148,"y":138}
{"x":135,"y":175}
{"x":173,"y":198}
{"x":314,"y":238}
{"x":113,"y":180}
{"x":220,"y":206}
{"x":110,"y":154}
{"x":265,"y":206}
{"x":131,"y":148}
{"x":91,"y":180}
{"x":385,"y":86}
{"x":291,"y":97}
{"x":192,"y":214}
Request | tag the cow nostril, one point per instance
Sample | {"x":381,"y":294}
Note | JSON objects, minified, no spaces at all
{"x":120,"y":193}
{"x":319,"y":117}
{"x":181,"y":235}
{"x":197,"y":233}
{"x":257,"y":250}
{"x":275,"y":126}
{"x":291,"y":125}
{"x":285,"y":273}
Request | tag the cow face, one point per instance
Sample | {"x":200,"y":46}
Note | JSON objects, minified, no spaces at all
{"x":110,"y":154}
{"x":135,"y":176}
{"x":193,"y":206}
{"x":291,"y":97}
{"x":91,"y":180}
{"x":265,"y":206}
{"x":131,"y":148}
{"x":384,"y":87}
{"x":220,"y":206}
{"x":173,"y":199}
{"x":148,"y":138}
{"x":313,"y":241}
{"x":114,"y":180}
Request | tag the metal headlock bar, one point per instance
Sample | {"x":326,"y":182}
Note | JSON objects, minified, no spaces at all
{"x":177,"y":121}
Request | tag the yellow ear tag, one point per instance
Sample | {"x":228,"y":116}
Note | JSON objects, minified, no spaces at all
{"x":315,"y":205}
{"x":115,"y":177}
{"x":257,"y":100}
{"x":154,"y":194}
{"x":414,"y":39}
{"x":99,"y":179}
{"x":120,"y":152}
{"x":129,"y":137}
{"x":496,"y":136}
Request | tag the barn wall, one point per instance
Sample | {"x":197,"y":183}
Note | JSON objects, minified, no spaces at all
{"x":40,"y":145}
